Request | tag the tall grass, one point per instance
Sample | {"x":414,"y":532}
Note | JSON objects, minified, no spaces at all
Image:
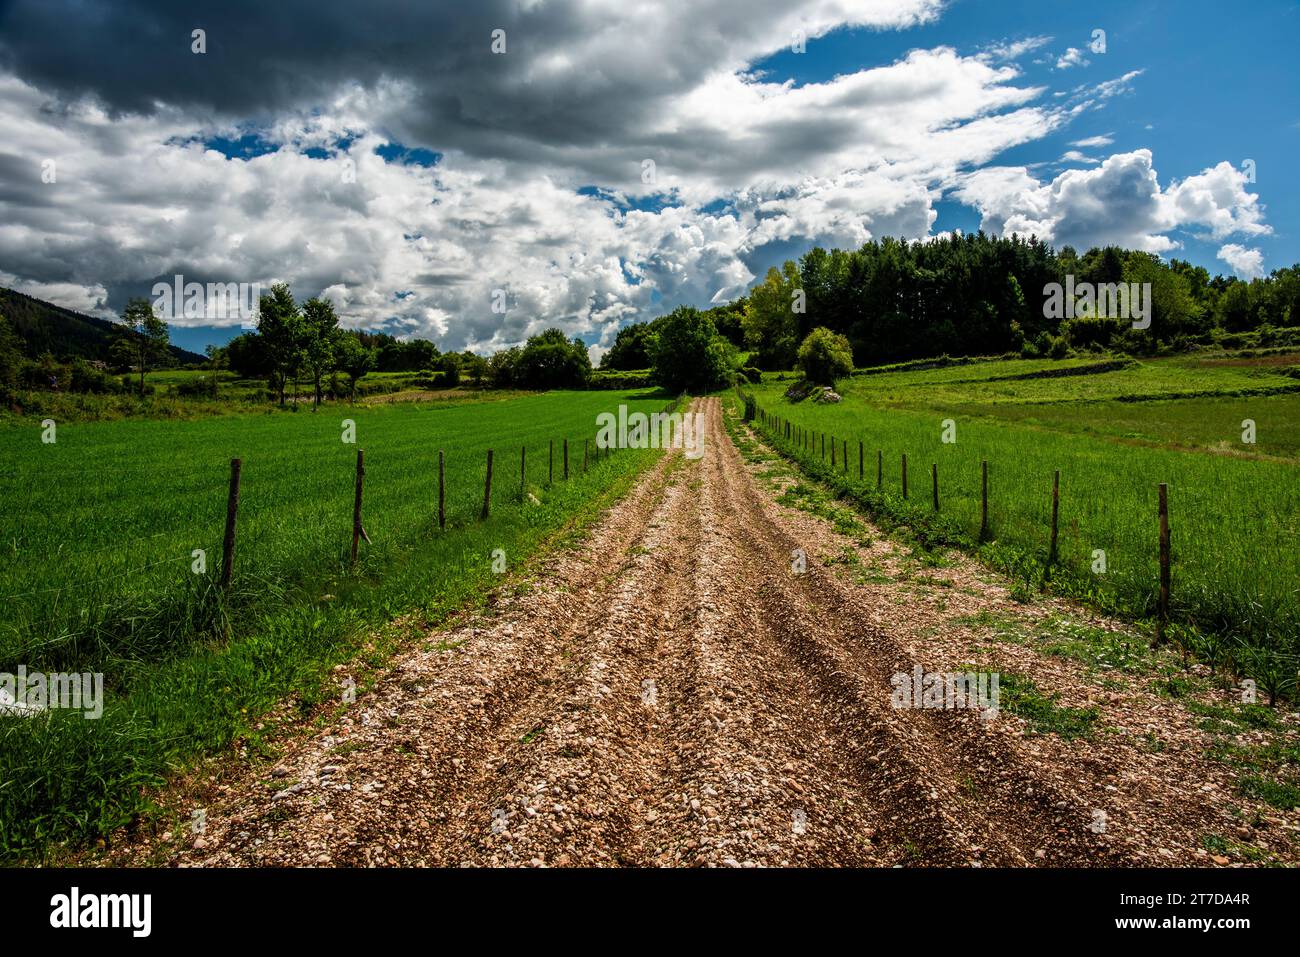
{"x":97,"y":573}
{"x":1235,"y":522}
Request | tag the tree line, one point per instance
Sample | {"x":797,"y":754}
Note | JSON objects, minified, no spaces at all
{"x":980,"y":295}
{"x":888,"y":301}
{"x":305,"y":342}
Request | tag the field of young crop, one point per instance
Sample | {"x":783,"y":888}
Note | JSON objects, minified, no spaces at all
{"x":99,"y":536}
{"x":1099,"y":379}
{"x":1234,"y":506}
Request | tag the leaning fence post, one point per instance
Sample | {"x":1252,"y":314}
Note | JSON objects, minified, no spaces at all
{"x":442,"y":493}
{"x":232,"y":512}
{"x":1162,"y":616}
{"x":1056,"y":509}
{"x":356,"y":504}
{"x":487,"y":488}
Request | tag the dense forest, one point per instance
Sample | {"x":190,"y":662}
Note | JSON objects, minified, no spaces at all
{"x":43,"y":328}
{"x":980,"y":295}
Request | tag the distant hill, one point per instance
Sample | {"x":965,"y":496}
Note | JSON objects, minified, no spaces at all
{"x":45,"y":327}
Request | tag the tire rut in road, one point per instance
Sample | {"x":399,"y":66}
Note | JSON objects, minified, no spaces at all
{"x":970,"y":778}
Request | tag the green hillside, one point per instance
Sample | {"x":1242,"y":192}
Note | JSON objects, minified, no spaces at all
{"x":45,"y":327}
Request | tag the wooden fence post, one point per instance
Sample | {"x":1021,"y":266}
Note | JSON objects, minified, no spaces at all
{"x":1056,"y":510}
{"x":904,"y":475}
{"x":934,"y":477}
{"x":442,"y":493}
{"x":1162,"y":615}
{"x":984,"y":499}
{"x":832,"y":451}
{"x":357,"y":531}
{"x":487,"y":488}
{"x":232,"y":512}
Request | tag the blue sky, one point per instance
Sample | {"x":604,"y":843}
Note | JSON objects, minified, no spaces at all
{"x":408,"y":171}
{"x":1219,"y":82}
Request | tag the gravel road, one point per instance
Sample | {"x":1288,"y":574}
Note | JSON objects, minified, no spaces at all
{"x":674,"y":691}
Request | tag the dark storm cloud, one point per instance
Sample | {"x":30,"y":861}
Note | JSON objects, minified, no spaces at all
{"x":582,"y":84}
{"x":264,"y":58}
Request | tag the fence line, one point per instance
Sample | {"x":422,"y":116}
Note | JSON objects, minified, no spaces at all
{"x":805,"y":443}
{"x":229,"y":538}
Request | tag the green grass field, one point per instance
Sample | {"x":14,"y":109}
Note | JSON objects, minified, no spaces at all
{"x":98,"y":541}
{"x":1234,"y":507}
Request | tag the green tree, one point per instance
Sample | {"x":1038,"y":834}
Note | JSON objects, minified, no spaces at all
{"x":449,"y":365}
{"x":770,"y":321}
{"x":246,"y":356}
{"x":354,"y":359}
{"x":688,"y":354}
{"x":631,"y":349}
{"x":281,"y":329}
{"x":1234,"y":307}
{"x":1174,"y":310}
{"x":11,"y":356}
{"x":502,"y":367}
{"x":141,"y":337}
{"x":321,"y":333}
{"x":825,"y":356}
{"x":728,"y":319}
{"x":474,"y":367}
{"x":550,"y":361}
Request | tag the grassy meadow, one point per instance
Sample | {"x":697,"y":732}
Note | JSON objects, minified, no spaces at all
{"x":1115,"y":432}
{"x":98,"y":573}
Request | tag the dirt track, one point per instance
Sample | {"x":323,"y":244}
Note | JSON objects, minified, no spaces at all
{"x":673,"y":693}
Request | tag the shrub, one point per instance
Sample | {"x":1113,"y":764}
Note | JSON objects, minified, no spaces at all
{"x":825,"y":356}
{"x":201,"y":387}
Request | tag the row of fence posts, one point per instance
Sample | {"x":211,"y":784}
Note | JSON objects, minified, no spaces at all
{"x":812,"y":441}
{"x":358,"y":529}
